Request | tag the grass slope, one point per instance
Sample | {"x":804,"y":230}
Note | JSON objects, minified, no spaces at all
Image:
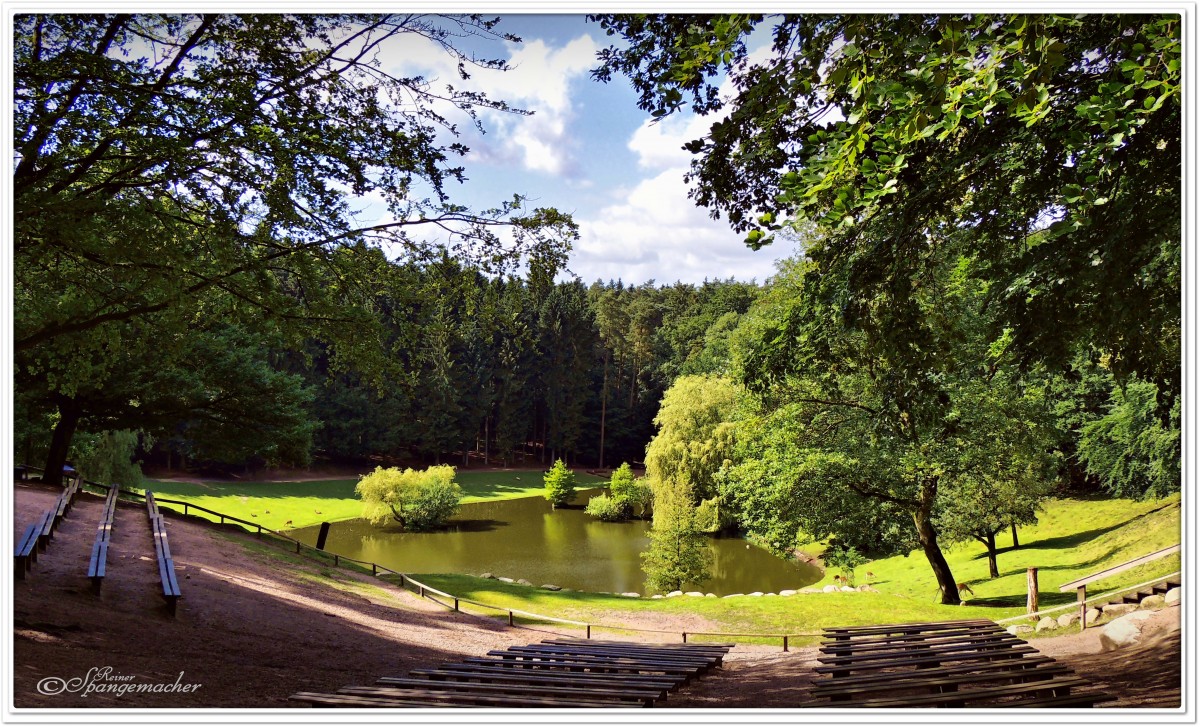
{"x":1073,"y":538}
{"x":275,"y":504}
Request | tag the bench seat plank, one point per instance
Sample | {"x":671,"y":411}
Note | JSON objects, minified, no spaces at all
{"x":699,"y":662}
{"x":913,"y":628}
{"x":915,"y":682}
{"x":443,"y":701}
{"x":1037,"y":689}
{"x":589,"y":691}
{"x":917,"y":646}
{"x":26,"y":551}
{"x":1014,"y":652}
{"x":904,"y":639}
{"x":888,"y":677}
{"x":485,"y":697}
{"x":464,"y":671}
{"x":992,"y":643}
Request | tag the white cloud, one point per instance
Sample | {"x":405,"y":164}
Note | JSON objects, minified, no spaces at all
{"x":657,"y":232}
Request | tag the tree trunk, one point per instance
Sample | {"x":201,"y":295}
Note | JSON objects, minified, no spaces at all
{"x":60,"y":443}
{"x":1014,"y":534}
{"x":486,"y":433}
{"x":927,"y":535}
{"x":603,"y":407}
{"x":993,"y":571}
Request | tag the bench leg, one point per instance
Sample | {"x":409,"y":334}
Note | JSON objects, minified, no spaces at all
{"x":96,"y":581}
{"x":171,"y":604}
{"x":20,"y":567}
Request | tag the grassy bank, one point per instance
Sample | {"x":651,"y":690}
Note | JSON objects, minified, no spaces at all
{"x":1073,"y":538}
{"x":276,"y":504}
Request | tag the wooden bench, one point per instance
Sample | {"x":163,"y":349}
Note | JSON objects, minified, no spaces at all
{"x":162,"y":550}
{"x":440,"y":699}
{"x":581,"y":691}
{"x":697,"y":661}
{"x":26,"y":552}
{"x":45,"y":529}
{"x":97,"y":565}
{"x":545,"y":676}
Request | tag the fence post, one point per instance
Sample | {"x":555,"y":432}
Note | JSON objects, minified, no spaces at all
{"x":785,"y":642}
{"x":422,"y":591}
{"x":589,"y":631}
{"x":510,"y":620}
{"x":685,"y":637}
{"x":222,"y":519}
{"x":260,"y":531}
{"x":185,"y":508}
{"x":336,"y":560}
{"x":1031,"y":584}
{"x":1082,"y":595}
{"x":401,"y":576}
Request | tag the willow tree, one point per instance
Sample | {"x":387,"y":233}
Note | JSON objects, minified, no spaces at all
{"x":164,"y":163}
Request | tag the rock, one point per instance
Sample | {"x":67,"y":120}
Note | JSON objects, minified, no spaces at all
{"x":847,"y":589}
{"x":710,"y":595}
{"x":810,"y":590}
{"x":489,"y":576}
{"x":787,"y":592}
{"x":1067,"y":619}
{"x":1124,"y":631}
{"x":502,"y":579}
{"x":551,"y":587}
{"x":657,"y":595}
{"x":734,"y":595}
{"x":1092,"y":615}
{"x":673,"y":594}
{"x":1118,"y":609}
{"x":523,"y":582}
{"x":1153,"y":602}
{"x":631,"y":594}
{"x":1172,"y":596}
{"x":769,"y":594}
{"x":756,"y":593}
{"x":1018,"y":629}
{"x":1046,"y":623}
{"x":829,"y":589}
{"x":694,"y":594}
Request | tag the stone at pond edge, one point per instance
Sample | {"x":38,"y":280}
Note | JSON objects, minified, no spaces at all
{"x":1067,"y":619}
{"x":657,"y":595}
{"x":631,"y":594}
{"x":734,"y":595}
{"x":1018,"y":629}
{"x":502,"y":579}
{"x":710,"y":595}
{"x":551,"y":587}
{"x":1045,"y":623}
{"x":847,"y":589}
{"x":829,"y":589}
{"x":694,"y":594}
{"x":787,"y":592}
{"x":673,"y":594}
{"x":810,"y":590}
{"x":1124,"y":631}
{"x":523,"y":582}
{"x":489,"y":576}
{"x":756,"y":593}
{"x":1172,"y":596}
{"x":1092,"y":614}
{"x":1154,"y":601}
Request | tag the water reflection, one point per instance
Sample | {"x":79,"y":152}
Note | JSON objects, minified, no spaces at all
{"x":526,"y":538}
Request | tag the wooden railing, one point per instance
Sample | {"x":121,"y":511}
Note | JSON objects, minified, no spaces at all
{"x":429,"y":592}
{"x":1080,"y":585}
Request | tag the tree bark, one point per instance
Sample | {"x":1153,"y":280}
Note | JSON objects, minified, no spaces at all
{"x":603,"y":407}
{"x":927,"y":535}
{"x":69,"y":412}
{"x":993,"y":571}
{"x":1016,"y":544}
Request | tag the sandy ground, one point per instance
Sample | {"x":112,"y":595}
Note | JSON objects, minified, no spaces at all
{"x":250,"y":633}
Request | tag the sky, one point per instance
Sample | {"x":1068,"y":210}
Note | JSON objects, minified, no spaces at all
{"x":589,"y":151}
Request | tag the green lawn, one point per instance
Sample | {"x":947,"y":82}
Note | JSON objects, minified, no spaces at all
{"x":1074,"y":538}
{"x":275,"y":504}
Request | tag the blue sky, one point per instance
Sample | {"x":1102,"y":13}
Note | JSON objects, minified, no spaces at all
{"x":587,"y":150}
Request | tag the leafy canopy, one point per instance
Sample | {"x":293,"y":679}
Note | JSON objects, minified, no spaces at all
{"x":417,"y":499}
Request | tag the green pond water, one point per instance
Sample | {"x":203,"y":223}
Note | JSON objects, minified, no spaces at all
{"x":526,"y":538}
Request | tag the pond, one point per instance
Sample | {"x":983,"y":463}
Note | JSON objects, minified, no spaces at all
{"x":526,"y":538}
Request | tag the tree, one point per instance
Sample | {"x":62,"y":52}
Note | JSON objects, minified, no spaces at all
{"x":626,"y":494}
{"x":417,"y":499}
{"x":695,"y":436}
{"x":1056,"y":139}
{"x":1129,"y":449}
{"x":171,"y":169}
{"x":560,"y":484}
{"x":108,"y":457}
{"x":846,"y":424}
{"x":677,"y":553}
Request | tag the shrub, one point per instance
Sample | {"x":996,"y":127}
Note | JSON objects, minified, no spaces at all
{"x":631,"y":494}
{"x":606,"y":508}
{"x":107,"y":457}
{"x":678,"y":552}
{"x":560,"y":484}
{"x":417,"y":499}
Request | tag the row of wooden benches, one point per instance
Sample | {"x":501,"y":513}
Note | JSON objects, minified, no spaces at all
{"x":554,"y":673}
{"x":972,"y":663}
{"x":36,"y":537}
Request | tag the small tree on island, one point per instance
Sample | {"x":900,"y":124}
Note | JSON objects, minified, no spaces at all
{"x":678,"y":553}
{"x":417,"y":499}
{"x":626,"y":492}
{"x":560,"y":484}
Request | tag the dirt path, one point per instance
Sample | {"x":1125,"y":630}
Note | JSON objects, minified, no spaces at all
{"x":250,"y":632}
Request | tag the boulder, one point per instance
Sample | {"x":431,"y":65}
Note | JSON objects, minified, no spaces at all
{"x":847,"y":589}
{"x":1153,"y":602}
{"x":1172,"y":596}
{"x":1046,"y":623}
{"x":1092,"y":615}
{"x":756,"y":593}
{"x":694,"y":594}
{"x":502,"y":579}
{"x":1067,"y":619}
{"x":489,"y":576}
{"x":523,"y":582}
{"x":673,"y":594}
{"x":1124,"y":631}
{"x":734,"y":595}
{"x":657,"y":595}
{"x":787,"y":592}
{"x":1118,"y":609}
{"x":829,"y":589}
{"x":710,"y":595}
{"x":768,"y":594}
{"x":631,"y":594}
{"x":1018,"y":629}
{"x":551,"y":587}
